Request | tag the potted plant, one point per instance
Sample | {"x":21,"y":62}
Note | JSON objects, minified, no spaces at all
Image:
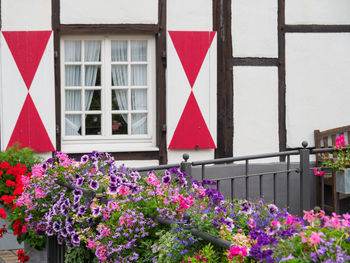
{"x":340,"y":164}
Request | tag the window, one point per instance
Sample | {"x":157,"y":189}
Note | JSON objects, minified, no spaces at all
{"x":108,"y":94}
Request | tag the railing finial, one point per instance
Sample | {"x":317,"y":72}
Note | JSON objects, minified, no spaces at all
{"x":186,"y":156}
{"x":304,"y":144}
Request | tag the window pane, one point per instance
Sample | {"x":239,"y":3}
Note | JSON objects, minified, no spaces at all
{"x":120,"y":75}
{"x":119,"y":50}
{"x":72,"y":50}
{"x":120,"y":100}
{"x":73,"y":100}
{"x":73,"y":125}
{"x":92,"y":50}
{"x":139,"y":99}
{"x":138,"y":50}
{"x":93,"y":124}
{"x":92,"y":76}
{"x":92,"y":100}
{"x":139,"y":75}
{"x":73,"y":76}
{"x":120,"y":124}
{"x":139,"y":123}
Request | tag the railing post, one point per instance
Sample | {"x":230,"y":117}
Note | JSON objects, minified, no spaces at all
{"x":186,"y":167}
{"x":305,"y":180}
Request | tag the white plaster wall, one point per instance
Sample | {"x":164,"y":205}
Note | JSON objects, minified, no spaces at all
{"x":189,"y":15}
{"x":26,"y":15}
{"x":317,"y":82}
{"x":254,"y":28}
{"x":255,"y":110}
{"x":109,"y":11}
{"x":317,"y":11}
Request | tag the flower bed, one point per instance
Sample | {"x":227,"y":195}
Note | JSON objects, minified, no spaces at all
{"x":15,"y":167}
{"x":65,"y":198}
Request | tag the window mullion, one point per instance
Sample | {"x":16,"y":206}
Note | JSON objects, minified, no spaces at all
{"x":82,"y":88}
{"x":107,"y":88}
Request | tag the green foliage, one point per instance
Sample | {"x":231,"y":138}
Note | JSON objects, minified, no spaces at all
{"x":207,"y":254}
{"x":77,"y":255}
{"x":15,"y":154}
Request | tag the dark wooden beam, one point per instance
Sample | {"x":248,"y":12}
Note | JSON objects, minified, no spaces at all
{"x":316,"y":28}
{"x":153,"y":155}
{"x":222,"y":25}
{"x":282,"y":133}
{"x":161,"y":83}
{"x":80,"y":29}
{"x":57,"y":62}
{"x":250,"y":61}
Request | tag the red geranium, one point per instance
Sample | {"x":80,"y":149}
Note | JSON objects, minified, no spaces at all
{"x":3,"y":213}
{"x":8,"y":200}
{"x":3,"y":230}
{"x":1,"y":173}
{"x":17,"y":227}
{"x":10,"y":183}
{"x":22,"y":255}
{"x":4,"y":165}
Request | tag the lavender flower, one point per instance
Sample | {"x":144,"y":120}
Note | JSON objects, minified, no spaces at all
{"x":75,"y":239}
{"x":84,"y":159}
{"x":96,"y":211}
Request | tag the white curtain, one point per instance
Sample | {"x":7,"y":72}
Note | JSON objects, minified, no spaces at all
{"x":138,"y":75}
{"x":139,"y":99}
{"x":92,"y":53}
{"x":73,"y":124}
{"x":120,"y":75}
{"x":120,"y":50}
{"x":72,"y":50}
{"x":138,"y":50}
{"x":122,"y":99}
{"x":139,"y":123}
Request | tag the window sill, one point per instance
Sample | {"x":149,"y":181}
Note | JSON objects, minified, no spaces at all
{"x":107,"y":146}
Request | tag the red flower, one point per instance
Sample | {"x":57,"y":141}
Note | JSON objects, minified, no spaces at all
{"x":3,"y":230}
{"x":10,"y":183}
{"x":22,"y":255}
{"x":4,"y":165}
{"x":3,"y":213}
{"x":17,"y":227}
{"x":7,"y":199}
{"x":1,"y":173}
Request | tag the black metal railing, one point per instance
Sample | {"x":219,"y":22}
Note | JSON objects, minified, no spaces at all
{"x":304,"y":169}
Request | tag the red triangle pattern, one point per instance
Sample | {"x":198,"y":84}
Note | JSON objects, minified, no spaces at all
{"x":27,"y":48}
{"x":191,"y":131}
{"x":192,"y":47}
{"x":29,"y":129}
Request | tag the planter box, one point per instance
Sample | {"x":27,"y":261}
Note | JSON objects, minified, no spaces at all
{"x":36,"y":256}
{"x":343,"y":181}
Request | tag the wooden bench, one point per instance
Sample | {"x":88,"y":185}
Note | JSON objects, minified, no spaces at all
{"x":325,"y":139}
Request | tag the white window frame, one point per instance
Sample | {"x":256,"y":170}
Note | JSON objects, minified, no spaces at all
{"x":106,"y":141}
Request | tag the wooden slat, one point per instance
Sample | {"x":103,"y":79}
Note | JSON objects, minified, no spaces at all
{"x":348,"y":133}
{"x":334,"y":136}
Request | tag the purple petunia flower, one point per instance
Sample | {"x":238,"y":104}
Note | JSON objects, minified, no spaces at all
{"x":166,"y":178}
{"x":81,"y":210}
{"x":75,"y":239}
{"x":64,"y":232}
{"x":70,"y":229}
{"x":93,"y":184}
{"x":84,"y":159}
{"x":96,"y":211}
{"x":69,"y":220}
{"x":77,"y":193}
{"x":272,"y":208}
{"x":50,"y":160}
{"x":57,"y":226}
{"x":80,"y":181}
{"x":112,"y":189}
{"x":60,"y":239}
{"x":49,"y":231}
